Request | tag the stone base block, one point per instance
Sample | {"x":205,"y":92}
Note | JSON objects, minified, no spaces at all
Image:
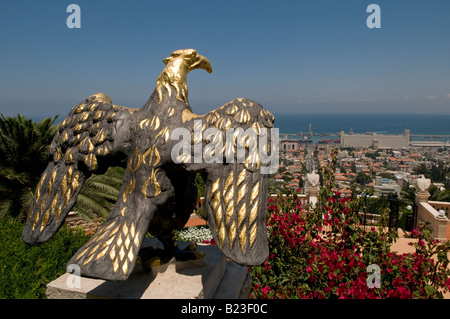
{"x":211,"y":277}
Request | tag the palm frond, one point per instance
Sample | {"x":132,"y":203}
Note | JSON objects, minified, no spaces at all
{"x":90,"y":207}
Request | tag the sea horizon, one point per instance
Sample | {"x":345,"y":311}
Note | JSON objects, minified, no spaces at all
{"x":389,"y":123}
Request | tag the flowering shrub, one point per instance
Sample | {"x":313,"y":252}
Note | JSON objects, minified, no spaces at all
{"x":198,"y":234}
{"x":326,"y":253}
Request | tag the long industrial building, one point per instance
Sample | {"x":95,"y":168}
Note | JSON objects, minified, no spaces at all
{"x":375,"y":140}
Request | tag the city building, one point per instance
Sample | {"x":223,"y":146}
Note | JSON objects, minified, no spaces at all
{"x":291,"y":145}
{"x":384,"y":187}
{"x":375,"y":140}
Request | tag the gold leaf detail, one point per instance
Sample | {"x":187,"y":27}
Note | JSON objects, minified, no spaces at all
{"x":221,"y":235}
{"x":93,"y":106}
{"x":211,"y":118}
{"x":253,"y":212}
{"x":83,"y":117}
{"x":64,"y":183}
{"x":243,"y":116}
{"x":68,"y":156}
{"x":67,"y":196}
{"x":241,"y":177}
{"x":153,"y":156}
{"x":78,"y":128}
{"x":230,"y":211}
{"x":79,"y":108}
{"x":232,"y":109}
{"x":132,"y":230}
{"x":135,"y":161}
{"x":128,"y":190}
{"x":154,"y":124}
{"x":164,"y":134}
{"x":136,"y":240}
{"x":58,"y":213}
{"x":57,"y":156}
{"x":232,"y":234}
{"x":112,"y":254}
{"x":256,"y":126}
{"x":102,"y":253}
{"x":267,"y":116}
{"x":144,"y":123}
{"x":91,"y":161}
{"x":102,"y":150}
{"x":242,"y":213}
{"x":35,"y":221}
{"x":99,"y":137}
{"x":252,"y":161}
{"x":52,"y":180}
{"x":214,"y":188}
{"x":243,"y":237}
{"x":229,"y":181}
{"x":255,"y":192}
{"x":65,"y":137}
{"x":121,"y":252}
{"x":116,"y":265}
{"x":45,"y":220}
{"x":253,"y":234}
{"x":54,"y":202}
{"x":125,"y":229}
{"x":241,"y":193}
{"x":223,"y":123}
{"x":152,"y":180}
{"x":218,"y":214}
{"x":98,"y":114}
{"x":130,"y":255}
{"x":125,"y":267}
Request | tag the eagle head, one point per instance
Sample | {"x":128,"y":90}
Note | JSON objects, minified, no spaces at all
{"x":178,"y":65}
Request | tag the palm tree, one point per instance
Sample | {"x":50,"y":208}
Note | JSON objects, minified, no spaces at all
{"x":24,"y":155}
{"x":435,"y":194}
{"x":24,"y":148}
{"x":99,"y":193}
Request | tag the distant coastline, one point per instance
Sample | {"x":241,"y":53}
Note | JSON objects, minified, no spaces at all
{"x":292,"y":123}
{"x":361,"y":123}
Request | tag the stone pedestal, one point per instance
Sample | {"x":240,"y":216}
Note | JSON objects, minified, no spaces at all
{"x":313,"y":194}
{"x":422,"y":196}
{"x":211,"y":277}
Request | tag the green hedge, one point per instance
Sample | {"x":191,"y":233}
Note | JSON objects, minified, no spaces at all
{"x":26,"y":270}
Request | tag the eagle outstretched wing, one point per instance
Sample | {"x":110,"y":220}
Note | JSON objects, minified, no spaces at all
{"x":88,"y":140}
{"x":238,"y":148}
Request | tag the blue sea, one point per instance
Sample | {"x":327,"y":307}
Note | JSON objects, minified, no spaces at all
{"x":426,"y":124}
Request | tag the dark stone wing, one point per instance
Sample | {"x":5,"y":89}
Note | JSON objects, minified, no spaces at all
{"x":236,"y":150}
{"x":93,"y":130}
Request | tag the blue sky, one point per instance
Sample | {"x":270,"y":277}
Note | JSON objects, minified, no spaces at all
{"x":311,"y":56}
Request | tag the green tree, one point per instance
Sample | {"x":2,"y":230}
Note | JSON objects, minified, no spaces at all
{"x":435,"y":194}
{"x":24,"y":148}
{"x":422,"y":169}
{"x":362,"y":179}
{"x":99,"y":194}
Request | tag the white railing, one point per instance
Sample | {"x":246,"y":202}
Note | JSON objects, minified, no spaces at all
{"x":438,"y":223}
{"x":445,"y":206}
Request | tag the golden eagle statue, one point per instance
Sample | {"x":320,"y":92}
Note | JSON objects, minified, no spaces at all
{"x":163,"y":145}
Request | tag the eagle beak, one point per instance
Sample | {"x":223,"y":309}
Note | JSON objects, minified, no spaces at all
{"x":201,"y":63}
